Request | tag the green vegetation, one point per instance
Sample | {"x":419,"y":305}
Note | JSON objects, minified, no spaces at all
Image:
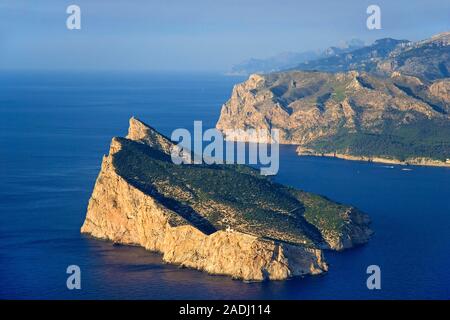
{"x":339,"y":94}
{"x":214,"y":197}
{"x":425,"y":138}
{"x":322,"y":212}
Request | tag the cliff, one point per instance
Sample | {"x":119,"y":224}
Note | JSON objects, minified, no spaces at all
{"x":354,"y":113}
{"x":222,"y":219}
{"x":386,"y":102}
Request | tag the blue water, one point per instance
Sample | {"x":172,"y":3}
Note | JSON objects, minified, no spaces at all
{"x":55,"y":129}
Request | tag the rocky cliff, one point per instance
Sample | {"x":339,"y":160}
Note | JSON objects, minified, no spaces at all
{"x":427,"y":59}
{"x":222,"y":219}
{"x":356,"y":113}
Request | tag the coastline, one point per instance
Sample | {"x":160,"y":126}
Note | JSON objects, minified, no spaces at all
{"x":302,"y":151}
{"x":410,"y":162}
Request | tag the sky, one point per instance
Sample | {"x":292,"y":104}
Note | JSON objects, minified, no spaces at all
{"x":191,"y":35}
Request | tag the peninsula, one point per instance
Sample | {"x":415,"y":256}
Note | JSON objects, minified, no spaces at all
{"x":389,"y":102}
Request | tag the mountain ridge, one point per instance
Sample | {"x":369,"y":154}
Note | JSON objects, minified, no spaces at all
{"x":398,"y":114}
{"x":383,"y":56}
{"x":287,"y":60}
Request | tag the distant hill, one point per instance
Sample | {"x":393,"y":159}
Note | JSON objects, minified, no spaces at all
{"x":427,"y":59}
{"x":278,"y":62}
{"x":288,"y":60}
{"x":364,"y":59}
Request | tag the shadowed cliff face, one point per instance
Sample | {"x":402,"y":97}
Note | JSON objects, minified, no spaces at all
{"x":214,"y":218}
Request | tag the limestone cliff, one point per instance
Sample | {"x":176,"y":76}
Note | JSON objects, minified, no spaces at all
{"x":142,"y":198}
{"x":355,"y":113}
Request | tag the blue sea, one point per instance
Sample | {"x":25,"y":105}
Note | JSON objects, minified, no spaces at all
{"x":55,"y":128}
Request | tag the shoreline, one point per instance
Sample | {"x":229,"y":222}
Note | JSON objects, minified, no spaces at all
{"x":302,"y":151}
{"x":425,"y":162}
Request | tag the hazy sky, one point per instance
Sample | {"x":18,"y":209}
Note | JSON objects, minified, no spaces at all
{"x":196,"y":35}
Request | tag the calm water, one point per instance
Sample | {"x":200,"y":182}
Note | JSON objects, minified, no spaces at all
{"x":55,"y":129}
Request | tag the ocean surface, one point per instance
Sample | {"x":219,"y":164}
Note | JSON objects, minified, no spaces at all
{"x":55,"y":128}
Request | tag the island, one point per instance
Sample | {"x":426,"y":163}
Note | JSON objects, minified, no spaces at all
{"x":221,"y":219}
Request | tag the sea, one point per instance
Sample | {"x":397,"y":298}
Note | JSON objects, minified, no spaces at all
{"x":55,"y":128}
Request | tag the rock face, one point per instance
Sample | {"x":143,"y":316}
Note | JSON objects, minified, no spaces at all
{"x":441,"y":91}
{"x":428,"y":59}
{"x":119,"y":212}
{"x":387,"y":102}
{"x":353,"y":113}
{"x":146,"y":209}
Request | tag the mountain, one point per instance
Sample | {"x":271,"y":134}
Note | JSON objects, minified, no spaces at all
{"x":278,"y":62}
{"x":363,"y":59}
{"x":399,"y":118}
{"x":222,"y":219}
{"x":428,"y":59}
{"x":288,"y":60}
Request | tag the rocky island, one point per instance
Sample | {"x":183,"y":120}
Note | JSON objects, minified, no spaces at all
{"x":222,"y":219}
{"x":388,"y":102}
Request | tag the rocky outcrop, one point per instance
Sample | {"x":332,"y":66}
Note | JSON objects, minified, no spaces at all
{"x":267,"y":232}
{"x":119,"y":212}
{"x":350,"y":229}
{"x":441,"y":91}
{"x":132,"y":208}
{"x":353,"y":233}
{"x":388,"y":101}
{"x":308,"y":105}
{"x":138,"y":131}
{"x":428,"y":59}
